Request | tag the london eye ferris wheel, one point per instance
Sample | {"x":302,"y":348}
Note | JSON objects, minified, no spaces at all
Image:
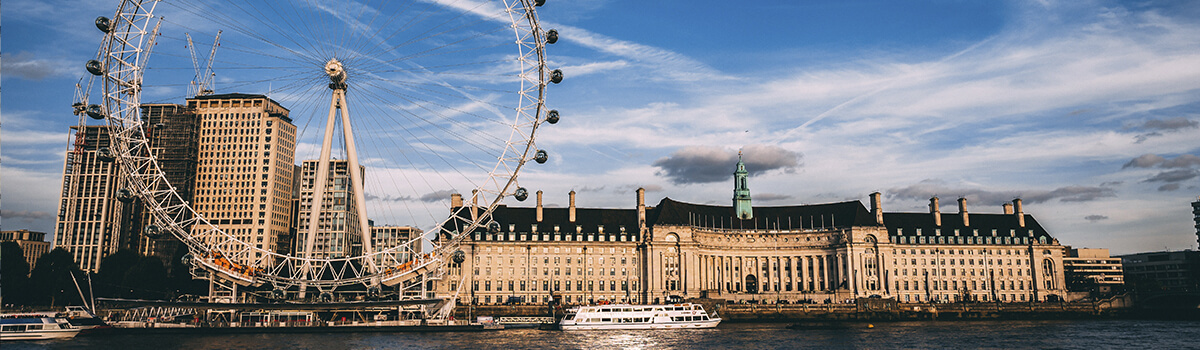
{"x":428,"y":97}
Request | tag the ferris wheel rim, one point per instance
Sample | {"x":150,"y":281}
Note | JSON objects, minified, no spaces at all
{"x":123,"y":48}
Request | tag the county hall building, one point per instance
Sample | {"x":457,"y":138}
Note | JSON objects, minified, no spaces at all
{"x":804,"y":253}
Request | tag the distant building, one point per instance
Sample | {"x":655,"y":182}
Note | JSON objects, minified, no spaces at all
{"x":244,"y":177}
{"x":832,"y":251}
{"x":173,"y":132}
{"x":338,"y":232}
{"x":386,"y":236}
{"x":92,"y":222}
{"x":1177,"y":271}
{"x":1092,"y":270}
{"x":1196,"y":218}
{"x":32,"y":243}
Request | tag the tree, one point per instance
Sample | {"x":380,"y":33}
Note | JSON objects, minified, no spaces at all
{"x":51,"y":283}
{"x":147,"y":279}
{"x":113,"y":268}
{"x":14,"y":274}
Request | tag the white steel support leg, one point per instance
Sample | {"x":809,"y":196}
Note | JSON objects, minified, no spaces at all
{"x":356,"y":180}
{"x":314,"y":215}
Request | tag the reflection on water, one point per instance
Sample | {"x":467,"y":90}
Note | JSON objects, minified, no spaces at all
{"x":950,"y":335}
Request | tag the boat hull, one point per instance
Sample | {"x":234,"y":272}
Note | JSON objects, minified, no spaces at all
{"x":667,"y":325}
{"x":40,"y":335}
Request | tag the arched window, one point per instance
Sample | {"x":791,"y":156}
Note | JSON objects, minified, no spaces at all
{"x":1048,"y":273}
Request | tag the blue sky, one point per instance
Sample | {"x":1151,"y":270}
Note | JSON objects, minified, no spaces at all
{"x":1088,"y":110}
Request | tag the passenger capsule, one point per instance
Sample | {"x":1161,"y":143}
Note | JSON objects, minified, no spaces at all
{"x":552,"y":36}
{"x":556,"y":76}
{"x":494,"y":227}
{"x":94,"y":67}
{"x":278,"y":293}
{"x":521,"y":194}
{"x":95,"y":112}
{"x":541,"y":157}
{"x":105,"y":154}
{"x":458,"y":257}
{"x":326,"y":296}
{"x":125,"y":195}
{"x":539,"y":2}
{"x":104,"y":24}
{"x":153,"y":231}
{"x":186,"y":260}
{"x":552,"y":116}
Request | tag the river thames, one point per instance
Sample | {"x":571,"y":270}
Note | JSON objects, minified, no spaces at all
{"x":1086,"y":334}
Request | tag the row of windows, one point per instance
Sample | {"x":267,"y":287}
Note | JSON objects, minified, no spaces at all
{"x":558,"y":271}
{"x":566,"y":286}
{"x":964,"y":240}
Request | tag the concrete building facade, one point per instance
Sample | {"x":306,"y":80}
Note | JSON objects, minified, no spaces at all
{"x":1092,"y":270}
{"x":92,"y":222}
{"x":338,"y":231}
{"x":173,"y":133}
{"x":244,"y":177}
{"x":33,"y":244}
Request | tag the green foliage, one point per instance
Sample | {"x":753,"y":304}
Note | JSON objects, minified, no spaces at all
{"x":14,"y":274}
{"x":110,"y":281}
{"x":50,"y":282}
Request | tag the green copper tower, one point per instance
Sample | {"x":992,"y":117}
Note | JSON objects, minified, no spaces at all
{"x":741,"y":192}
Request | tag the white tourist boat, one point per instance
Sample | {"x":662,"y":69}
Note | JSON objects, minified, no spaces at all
{"x":35,"y":327}
{"x":674,"y":316}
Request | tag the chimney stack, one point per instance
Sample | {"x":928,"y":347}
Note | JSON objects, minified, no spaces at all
{"x":475,"y":205}
{"x":1020,"y":213}
{"x":571,"y":213}
{"x":641,"y":207}
{"x":962,"y":211}
{"x":1008,"y":209}
{"x":936,"y":210}
{"x":455,"y":200}
{"x":877,"y":207}
{"x":539,"y":206}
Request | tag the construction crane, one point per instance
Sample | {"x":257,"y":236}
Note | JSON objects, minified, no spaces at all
{"x":202,"y":83}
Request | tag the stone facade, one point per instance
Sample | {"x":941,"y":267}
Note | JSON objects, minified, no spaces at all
{"x":32,"y":243}
{"x":244,"y":177}
{"x":818,"y":253}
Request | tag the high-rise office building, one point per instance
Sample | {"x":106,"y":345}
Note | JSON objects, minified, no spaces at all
{"x":245,"y":167}
{"x":338,"y":231}
{"x":92,"y":223}
{"x":1196,"y":218}
{"x":387,"y":236}
{"x":173,"y":131}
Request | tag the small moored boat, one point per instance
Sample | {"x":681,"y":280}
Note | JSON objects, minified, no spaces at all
{"x":675,"y":316}
{"x":35,"y":327}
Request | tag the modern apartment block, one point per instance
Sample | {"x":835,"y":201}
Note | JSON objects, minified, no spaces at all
{"x":244,"y":177}
{"x":173,"y":131}
{"x":388,"y":236}
{"x":1092,"y":270}
{"x":92,"y":222}
{"x":338,"y":230}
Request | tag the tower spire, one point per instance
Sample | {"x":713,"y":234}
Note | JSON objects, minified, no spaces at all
{"x":741,"y":191}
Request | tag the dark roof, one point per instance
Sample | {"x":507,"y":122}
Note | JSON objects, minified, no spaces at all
{"x":229,"y":96}
{"x":850,"y":213}
{"x":1003,"y":224}
{"x":589,"y":220}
